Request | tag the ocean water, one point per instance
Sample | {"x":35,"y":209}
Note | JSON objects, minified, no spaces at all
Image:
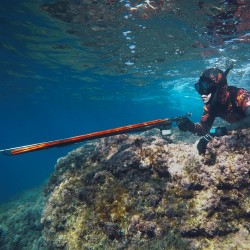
{"x":75,"y":67}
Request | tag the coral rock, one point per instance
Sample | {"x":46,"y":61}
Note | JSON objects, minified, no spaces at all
{"x":127,"y":190}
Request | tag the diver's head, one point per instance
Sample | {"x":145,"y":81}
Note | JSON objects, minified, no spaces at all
{"x":212,"y":85}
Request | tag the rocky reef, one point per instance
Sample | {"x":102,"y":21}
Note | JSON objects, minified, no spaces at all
{"x":20,"y":222}
{"x":146,"y":192}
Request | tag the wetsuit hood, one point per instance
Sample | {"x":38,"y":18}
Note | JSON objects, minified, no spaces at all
{"x":214,"y":81}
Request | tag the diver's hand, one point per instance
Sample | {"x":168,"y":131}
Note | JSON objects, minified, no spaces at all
{"x":202,"y":145}
{"x":186,"y":125}
{"x":214,"y":132}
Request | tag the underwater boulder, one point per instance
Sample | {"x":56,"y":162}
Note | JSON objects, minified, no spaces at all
{"x":20,"y":226}
{"x":127,"y":191}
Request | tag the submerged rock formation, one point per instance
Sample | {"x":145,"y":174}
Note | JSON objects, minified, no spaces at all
{"x":20,"y":222}
{"x":141,"y":191}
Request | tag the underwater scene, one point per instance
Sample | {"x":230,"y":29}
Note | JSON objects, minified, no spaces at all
{"x":125,"y":124}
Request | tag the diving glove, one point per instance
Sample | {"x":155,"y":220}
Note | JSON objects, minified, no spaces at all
{"x":186,"y":125}
{"x":214,"y":132}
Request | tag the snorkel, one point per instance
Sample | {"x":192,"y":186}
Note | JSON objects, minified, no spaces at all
{"x":218,"y":98}
{"x":227,"y":70}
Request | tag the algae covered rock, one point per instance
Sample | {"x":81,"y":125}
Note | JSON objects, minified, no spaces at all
{"x":141,"y":191}
{"x":20,"y":226}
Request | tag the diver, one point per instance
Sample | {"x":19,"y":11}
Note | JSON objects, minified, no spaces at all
{"x":230,"y":103}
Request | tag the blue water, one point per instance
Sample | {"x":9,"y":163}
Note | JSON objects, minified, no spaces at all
{"x":45,"y":96}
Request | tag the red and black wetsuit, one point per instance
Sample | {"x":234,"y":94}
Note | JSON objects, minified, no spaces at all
{"x":238,"y":100}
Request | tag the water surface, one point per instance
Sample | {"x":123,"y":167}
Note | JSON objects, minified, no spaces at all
{"x":74,"y":67}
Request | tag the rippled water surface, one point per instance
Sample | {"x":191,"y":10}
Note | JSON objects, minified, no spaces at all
{"x":71,"y":67}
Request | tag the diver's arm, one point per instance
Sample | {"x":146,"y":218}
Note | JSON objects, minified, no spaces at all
{"x":199,"y":128}
{"x":242,"y":124}
{"x":206,"y":122}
